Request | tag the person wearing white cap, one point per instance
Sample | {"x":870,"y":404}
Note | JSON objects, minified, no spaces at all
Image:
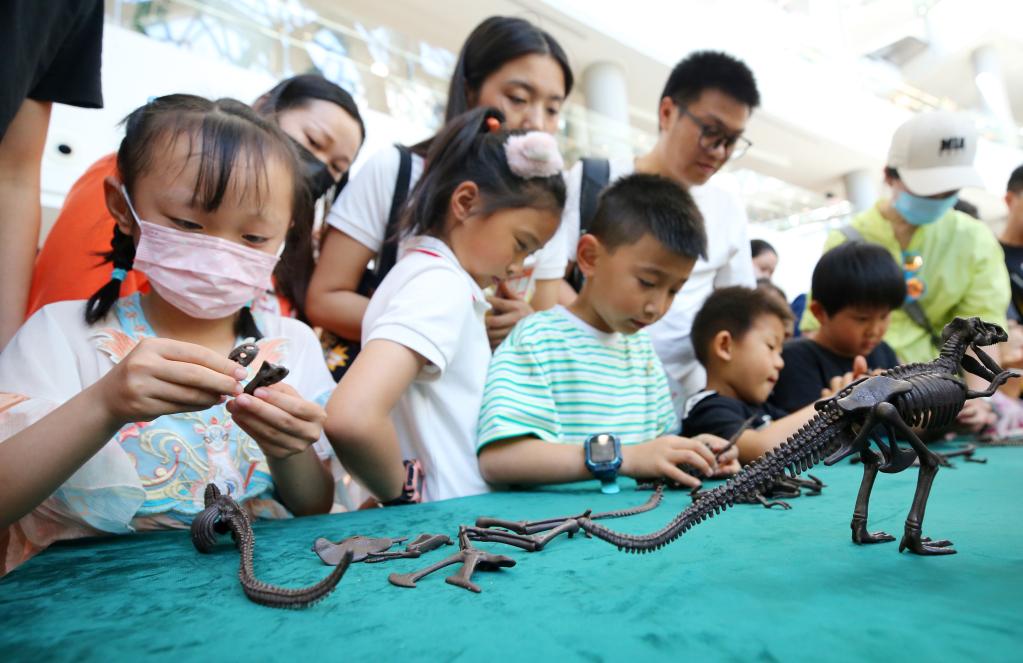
{"x":953,"y":264}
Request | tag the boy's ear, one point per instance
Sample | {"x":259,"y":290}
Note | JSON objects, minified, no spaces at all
{"x":721,"y":345}
{"x":818,"y":311}
{"x":117,"y":205}
{"x":664,"y":113}
{"x":588,"y":253}
{"x":464,"y":201}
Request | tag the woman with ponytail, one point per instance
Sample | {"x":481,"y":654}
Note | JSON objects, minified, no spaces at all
{"x":506,"y":63}
{"x":116,"y":413}
{"x":487,"y":199}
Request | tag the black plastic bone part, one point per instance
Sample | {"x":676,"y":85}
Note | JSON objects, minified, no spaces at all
{"x":244,"y":354}
{"x":421,"y":545}
{"x":471,"y":559}
{"x":361,"y":547}
{"x":267,"y":375}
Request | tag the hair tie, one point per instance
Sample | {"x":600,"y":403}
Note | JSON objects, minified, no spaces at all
{"x":493,"y":124}
{"x":118,"y":274}
{"x":533,"y":154}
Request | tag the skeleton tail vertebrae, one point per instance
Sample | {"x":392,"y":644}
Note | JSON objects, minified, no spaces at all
{"x":223,"y":514}
{"x":273,"y":595}
{"x":799,"y":453}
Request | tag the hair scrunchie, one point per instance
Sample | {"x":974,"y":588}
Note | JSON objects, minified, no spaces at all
{"x":533,"y":154}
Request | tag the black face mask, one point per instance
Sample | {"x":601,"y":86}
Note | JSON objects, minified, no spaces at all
{"x":317,"y":177}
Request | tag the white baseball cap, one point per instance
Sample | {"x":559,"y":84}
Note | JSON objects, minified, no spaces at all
{"x":934,"y":151}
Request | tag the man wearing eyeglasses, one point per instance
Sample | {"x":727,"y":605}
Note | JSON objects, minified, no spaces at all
{"x":702,"y":114}
{"x":953,"y":264}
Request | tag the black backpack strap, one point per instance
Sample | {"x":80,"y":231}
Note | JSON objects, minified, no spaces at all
{"x":596,"y":175}
{"x":389,"y":250}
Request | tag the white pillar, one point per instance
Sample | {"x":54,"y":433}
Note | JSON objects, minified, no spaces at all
{"x":608,"y":100}
{"x":994,"y":93}
{"x":860,"y":189}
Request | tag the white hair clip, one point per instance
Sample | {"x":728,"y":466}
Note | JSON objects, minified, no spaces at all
{"x":533,"y":154}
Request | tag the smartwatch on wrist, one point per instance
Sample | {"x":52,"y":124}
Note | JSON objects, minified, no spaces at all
{"x":412,"y":489}
{"x":604,"y":459}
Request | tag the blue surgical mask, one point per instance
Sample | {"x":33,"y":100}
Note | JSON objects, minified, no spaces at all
{"x":921,"y":211}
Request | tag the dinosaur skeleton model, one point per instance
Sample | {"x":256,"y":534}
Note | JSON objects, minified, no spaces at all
{"x":922,"y":395}
{"x":221,"y":515}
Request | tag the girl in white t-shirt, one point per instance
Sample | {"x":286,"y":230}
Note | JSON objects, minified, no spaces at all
{"x":487,"y":199}
{"x":116,"y":413}
{"x":507,"y":63}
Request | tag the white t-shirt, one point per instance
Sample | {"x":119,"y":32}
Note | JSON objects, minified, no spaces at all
{"x":362,"y":210}
{"x":429,"y":304}
{"x":728,"y":263}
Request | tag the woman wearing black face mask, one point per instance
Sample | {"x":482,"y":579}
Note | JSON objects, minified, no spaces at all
{"x":328,"y":131}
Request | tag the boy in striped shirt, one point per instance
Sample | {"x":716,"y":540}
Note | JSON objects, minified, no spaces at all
{"x":568,"y":373}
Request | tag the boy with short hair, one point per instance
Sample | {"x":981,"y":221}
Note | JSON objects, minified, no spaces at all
{"x":567,"y":375}
{"x":702,"y":114}
{"x":855,"y":288}
{"x":738,"y":336}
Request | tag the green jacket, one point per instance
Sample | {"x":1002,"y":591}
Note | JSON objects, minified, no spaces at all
{"x":963,"y":270}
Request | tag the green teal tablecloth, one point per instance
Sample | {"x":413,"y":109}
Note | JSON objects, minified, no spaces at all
{"x":752,"y":584}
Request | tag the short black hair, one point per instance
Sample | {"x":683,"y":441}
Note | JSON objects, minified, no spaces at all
{"x":858,"y":274}
{"x":640,"y":204}
{"x":1015,"y":184}
{"x":735,"y":310}
{"x":767,"y":285}
{"x":758,"y":246}
{"x":711,"y":70}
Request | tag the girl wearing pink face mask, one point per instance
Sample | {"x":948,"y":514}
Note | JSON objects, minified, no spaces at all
{"x":116,"y":413}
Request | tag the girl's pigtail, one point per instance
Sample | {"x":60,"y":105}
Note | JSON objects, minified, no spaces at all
{"x":122,"y":255}
{"x":245,"y":325}
{"x":457,"y":145}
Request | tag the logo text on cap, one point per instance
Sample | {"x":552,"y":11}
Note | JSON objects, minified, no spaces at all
{"x":950,"y":144}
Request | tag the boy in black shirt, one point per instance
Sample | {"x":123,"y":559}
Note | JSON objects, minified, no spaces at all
{"x":738,"y":336}
{"x":855,"y":287}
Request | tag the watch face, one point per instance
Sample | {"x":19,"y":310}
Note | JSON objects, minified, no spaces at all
{"x":602,"y":449}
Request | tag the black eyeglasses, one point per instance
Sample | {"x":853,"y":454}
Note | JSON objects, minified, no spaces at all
{"x":712,"y":137}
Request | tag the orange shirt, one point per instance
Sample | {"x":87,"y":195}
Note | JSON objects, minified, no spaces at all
{"x":70,"y":266}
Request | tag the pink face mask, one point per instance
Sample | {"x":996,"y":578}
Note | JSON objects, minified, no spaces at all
{"x":206,"y":277}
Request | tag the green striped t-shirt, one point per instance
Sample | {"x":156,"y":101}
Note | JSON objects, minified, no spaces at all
{"x":558,"y":379}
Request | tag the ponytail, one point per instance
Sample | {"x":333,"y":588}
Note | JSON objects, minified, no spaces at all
{"x":122,"y":255}
{"x":472,"y":147}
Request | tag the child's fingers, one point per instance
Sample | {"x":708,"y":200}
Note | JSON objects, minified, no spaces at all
{"x":502,"y":304}
{"x":713,"y":441}
{"x":697,"y":447}
{"x":196,"y":354}
{"x":273,"y":442}
{"x":674,"y":473}
{"x":503,"y":321}
{"x":189,"y":398}
{"x":285,"y":397}
{"x":690,"y":457}
{"x":199,"y":377}
{"x":506,"y":292}
{"x":277,"y":419}
{"x":859,"y":366}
